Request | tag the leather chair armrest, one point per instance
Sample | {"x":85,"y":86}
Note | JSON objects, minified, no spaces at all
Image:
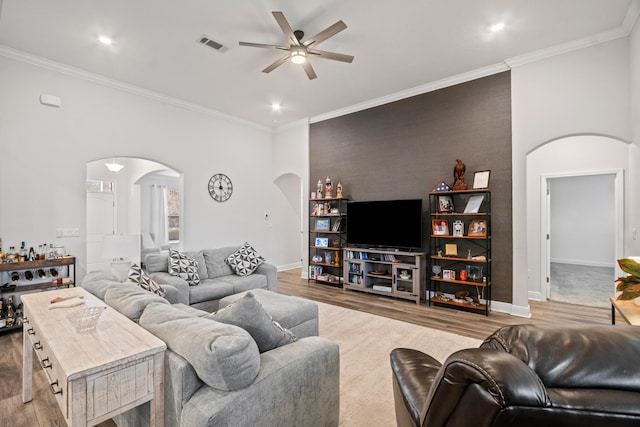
{"x":493,"y":378}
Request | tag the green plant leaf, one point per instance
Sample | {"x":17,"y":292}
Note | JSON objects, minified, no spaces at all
{"x":631,"y":291}
{"x":630,"y":266}
{"x":623,"y":282}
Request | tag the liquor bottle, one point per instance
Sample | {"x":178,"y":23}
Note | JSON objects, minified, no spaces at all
{"x":1,"y":251}
{"x":32,"y":254}
{"x":11,"y":255}
{"x":15,"y":276}
{"x":3,"y":319}
{"x":41,"y":273}
{"x":11,"y":312}
{"x":54,"y":272}
{"x":22,"y":253}
{"x":28,"y":275}
{"x":40,"y":252}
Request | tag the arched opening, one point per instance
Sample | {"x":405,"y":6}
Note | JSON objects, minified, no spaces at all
{"x":573,"y":156}
{"x":121,"y":203}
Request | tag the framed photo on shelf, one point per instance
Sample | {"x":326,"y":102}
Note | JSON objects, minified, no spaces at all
{"x":477,"y":228}
{"x":451,"y":249}
{"x":473,"y":204}
{"x":445,"y":204}
{"x":481,"y":179}
{"x":445,"y":274}
{"x":440,"y":227}
{"x":336,"y":225}
{"x":322,"y":224}
{"x":322,"y":242}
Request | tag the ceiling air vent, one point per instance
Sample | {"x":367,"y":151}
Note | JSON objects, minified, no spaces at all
{"x":208,"y":42}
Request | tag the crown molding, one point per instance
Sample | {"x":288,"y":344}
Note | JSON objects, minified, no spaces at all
{"x":418,"y":90}
{"x":68,"y":70}
{"x":627,"y":26}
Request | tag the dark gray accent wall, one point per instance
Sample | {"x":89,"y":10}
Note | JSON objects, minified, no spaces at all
{"x":402,"y":149}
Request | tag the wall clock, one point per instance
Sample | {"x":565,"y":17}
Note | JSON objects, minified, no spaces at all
{"x":220,"y":187}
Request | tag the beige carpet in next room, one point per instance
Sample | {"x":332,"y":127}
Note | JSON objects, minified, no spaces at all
{"x":365,"y":340}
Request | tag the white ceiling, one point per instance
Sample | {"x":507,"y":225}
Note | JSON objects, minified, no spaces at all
{"x":398,"y":46}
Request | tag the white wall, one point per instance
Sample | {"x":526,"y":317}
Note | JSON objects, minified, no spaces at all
{"x":291,"y":159}
{"x":632,"y":246}
{"x":582,"y":213}
{"x":44,"y":151}
{"x":581,"y":92}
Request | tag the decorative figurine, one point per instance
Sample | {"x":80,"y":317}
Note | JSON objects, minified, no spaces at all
{"x":328,"y":188}
{"x":319,"y":190}
{"x":458,"y":176}
{"x":339,"y":190}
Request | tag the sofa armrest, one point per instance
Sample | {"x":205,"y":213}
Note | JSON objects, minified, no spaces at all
{"x":271,"y":272}
{"x":301,"y":380}
{"x":99,"y":282}
{"x":163,"y":278}
{"x":491,"y":378}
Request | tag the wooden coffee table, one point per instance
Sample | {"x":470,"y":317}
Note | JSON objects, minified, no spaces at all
{"x":92,"y":375}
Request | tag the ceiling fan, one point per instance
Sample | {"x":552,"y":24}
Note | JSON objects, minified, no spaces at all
{"x":300,"y":52}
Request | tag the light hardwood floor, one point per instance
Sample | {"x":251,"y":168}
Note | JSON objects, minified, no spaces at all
{"x":459,"y":322}
{"x":43,"y":411}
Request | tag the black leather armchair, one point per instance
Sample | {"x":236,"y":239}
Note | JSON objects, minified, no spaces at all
{"x":525,"y":376}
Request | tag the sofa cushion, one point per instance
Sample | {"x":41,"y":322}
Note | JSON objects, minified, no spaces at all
{"x":208,"y":290}
{"x":224,"y":356}
{"x":157,"y":262}
{"x":248,"y":314}
{"x":245,"y":260}
{"x":184,"y":266}
{"x":140,"y":278}
{"x":214,"y":259}
{"x":245,"y":283}
{"x":130,"y":299}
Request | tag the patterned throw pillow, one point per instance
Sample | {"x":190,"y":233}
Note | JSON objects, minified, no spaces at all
{"x":184,"y":267}
{"x":140,"y":278}
{"x":245,"y":260}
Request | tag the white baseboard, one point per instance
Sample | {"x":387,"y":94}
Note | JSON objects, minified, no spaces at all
{"x":286,"y":267}
{"x":536,"y":296}
{"x":586,"y":263}
{"x":514,"y":310}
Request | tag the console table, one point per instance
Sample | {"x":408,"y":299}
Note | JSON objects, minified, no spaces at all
{"x":92,"y":375}
{"x":629,"y":311}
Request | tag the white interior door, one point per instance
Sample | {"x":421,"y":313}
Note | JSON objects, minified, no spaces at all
{"x":100,"y":221}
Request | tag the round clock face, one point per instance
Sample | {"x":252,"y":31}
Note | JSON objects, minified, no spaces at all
{"x":220,"y":187}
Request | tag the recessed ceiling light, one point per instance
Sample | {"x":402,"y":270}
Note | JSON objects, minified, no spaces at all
{"x":497,"y":27}
{"x":105,"y":40}
{"x":275,"y":106}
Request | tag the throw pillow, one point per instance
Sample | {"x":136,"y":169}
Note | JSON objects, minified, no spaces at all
{"x":249,"y":314}
{"x":245,"y":260}
{"x":138,"y":276}
{"x":184,"y":267}
{"x":223,"y":356}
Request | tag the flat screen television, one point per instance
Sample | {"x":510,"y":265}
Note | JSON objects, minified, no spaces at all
{"x":393,"y":224}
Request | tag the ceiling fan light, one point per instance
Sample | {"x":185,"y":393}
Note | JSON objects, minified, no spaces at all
{"x":298,"y":57}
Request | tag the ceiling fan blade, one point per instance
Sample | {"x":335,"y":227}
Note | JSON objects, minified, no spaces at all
{"x":309,"y":70}
{"x":268,"y":46}
{"x":286,"y":28}
{"x":325,"y":34}
{"x":276,"y":64}
{"x":331,"y":55}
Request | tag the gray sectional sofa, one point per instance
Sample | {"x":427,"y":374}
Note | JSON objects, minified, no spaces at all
{"x":217,"y":279}
{"x":217,"y":375}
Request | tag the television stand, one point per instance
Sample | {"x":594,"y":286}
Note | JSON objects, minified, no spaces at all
{"x":388,"y":272}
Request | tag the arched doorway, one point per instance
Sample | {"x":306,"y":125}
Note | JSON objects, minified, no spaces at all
{"x":578,"y":155}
